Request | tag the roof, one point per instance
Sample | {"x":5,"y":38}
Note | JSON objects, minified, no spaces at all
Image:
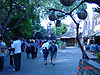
{"x":69,"y":34}
{"x":93,"y":34}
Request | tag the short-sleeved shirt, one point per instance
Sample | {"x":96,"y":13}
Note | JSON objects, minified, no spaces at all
{"x":2,"y":48}
{"x":91,"y":47}
{"x":35,"y":44}
{"x":17,"y":46}
{"x":11,"y":53}
{"x":45,"y":45}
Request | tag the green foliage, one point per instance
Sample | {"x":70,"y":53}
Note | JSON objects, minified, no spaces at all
{"x":25,"y":29}
{"x":98,"y":56}
{"x":34,"y":10}
{"x":61,"y":30}
{"x":59,"y":42}
{"x":38,"y":7}
{"x":57,"y":5}
{"x":96,"y":9}
{"x":38,"y":31}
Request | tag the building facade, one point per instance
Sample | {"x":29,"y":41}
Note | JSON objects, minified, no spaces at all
{"x":91,"y":28}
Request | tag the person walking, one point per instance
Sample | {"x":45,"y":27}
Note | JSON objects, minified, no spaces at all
{"x":53,"y":52}
{"x":36,"y":48}
{"x":45,"y":45}
{"x":23,"y":45}
{"x":28,"y":49}
{"x":17,"y":53}
{"x":11,"y":53}
{"x":91,"y":47}
{"x":45,"y":48}
{"x":2,"y":51}
{"x":45,"y":52}
{"x":32,"y":49}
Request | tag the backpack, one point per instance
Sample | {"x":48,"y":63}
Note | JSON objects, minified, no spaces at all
{"x":53,"y":48}
{"x":22,"y":47}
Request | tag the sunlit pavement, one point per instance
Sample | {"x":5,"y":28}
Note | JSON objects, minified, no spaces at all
{"x":67,"y":62}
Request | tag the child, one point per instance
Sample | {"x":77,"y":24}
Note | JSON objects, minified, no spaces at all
{"x":28,"y":48}
{"x":11,"y":53}
{"x":45,"y":52}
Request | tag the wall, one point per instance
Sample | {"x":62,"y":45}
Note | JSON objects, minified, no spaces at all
{"x":88,"y":67}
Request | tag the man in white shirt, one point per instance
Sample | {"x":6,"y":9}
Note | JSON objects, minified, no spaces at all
{"x":46,"y":44}
{"x":17,"y":53}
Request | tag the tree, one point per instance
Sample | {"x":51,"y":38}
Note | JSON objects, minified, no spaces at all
{"x":8,"y":9}
{"x":93,"y":1}
{"x":61,"y":30}
{"x":24,"y":30}
{"x":97,"y":9}
{"x":16,"y":9}
{"x":39,"y":32}
{"x":57,"y":5}
{"x":26,"y":8}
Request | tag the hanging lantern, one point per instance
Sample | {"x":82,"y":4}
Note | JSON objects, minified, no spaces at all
{"x":82,"y":14}
{"x":58,"y":23}
{"x":67,"y":2}
{"x":52,"y":16}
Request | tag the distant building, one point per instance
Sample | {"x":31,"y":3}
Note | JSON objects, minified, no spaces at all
{"x":69,"y":37}
{"x":96,"y":27}
{"x":96,"y":22}
{"x":92,"y":29}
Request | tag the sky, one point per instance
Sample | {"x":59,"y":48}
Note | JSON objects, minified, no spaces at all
{"x":68,"y":20}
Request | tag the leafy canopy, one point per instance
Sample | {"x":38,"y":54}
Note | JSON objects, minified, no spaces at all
{"x":61,"y":30}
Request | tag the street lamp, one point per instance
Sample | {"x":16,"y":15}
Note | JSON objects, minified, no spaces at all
{"x":82,"y":15}
{"x":52,"y":16}
{"x":58,"y":23}
{"x":67,"y":2}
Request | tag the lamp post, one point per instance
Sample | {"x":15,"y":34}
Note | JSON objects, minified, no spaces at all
{"x":58,"y":24}
{"x":48,"y":30}
{"x":81,"y":15}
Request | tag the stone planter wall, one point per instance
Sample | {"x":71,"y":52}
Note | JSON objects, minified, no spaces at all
{"x":88,"y":67}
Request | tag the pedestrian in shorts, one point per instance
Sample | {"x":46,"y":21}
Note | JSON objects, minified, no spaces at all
{"x":53,"y":52}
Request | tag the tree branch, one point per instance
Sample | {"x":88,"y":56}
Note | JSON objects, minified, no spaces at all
{"x":2,"y":5}
{"x":76,"y":7}
{"x":20,"y":21}
{"x":8,"y":20}
{"x":93,"y":1}
{"x":8,"y":16}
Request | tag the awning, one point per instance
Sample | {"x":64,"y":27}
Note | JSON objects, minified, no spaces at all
{"x":65,"y":37}
{"x":94,"y":34}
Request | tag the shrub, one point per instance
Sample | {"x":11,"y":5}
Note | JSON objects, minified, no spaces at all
{"x":98,"y":56}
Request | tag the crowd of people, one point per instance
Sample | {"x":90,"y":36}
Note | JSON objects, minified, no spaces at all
{"x":30,"y":46}
{"x":92,"y":47}
{"x":95,"y":47}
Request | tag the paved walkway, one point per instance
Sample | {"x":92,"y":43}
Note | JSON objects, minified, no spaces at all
{"x":66,"y":64}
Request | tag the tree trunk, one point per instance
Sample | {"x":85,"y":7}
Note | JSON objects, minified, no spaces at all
{"x":1,"y":29}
